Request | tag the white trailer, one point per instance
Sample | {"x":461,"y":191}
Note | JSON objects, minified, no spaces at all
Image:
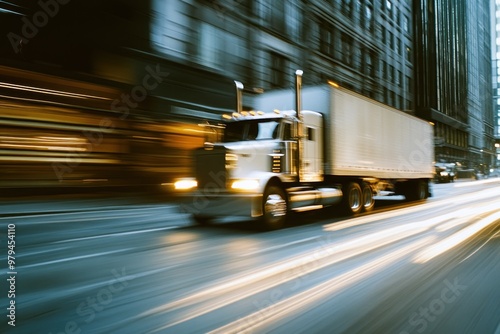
{"x":341,"y":148}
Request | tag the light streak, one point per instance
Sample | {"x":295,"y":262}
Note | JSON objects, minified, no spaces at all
{"x":302,"y":300}
{"x":49,"y":91}
{"x":456,"y":201}
{"x":455,"y":239}
{"x":296,"y":267}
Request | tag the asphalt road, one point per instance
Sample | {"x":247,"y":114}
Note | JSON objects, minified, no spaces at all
{"x":134,"y":264}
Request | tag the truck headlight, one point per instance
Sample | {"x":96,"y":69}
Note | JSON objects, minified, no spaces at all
{"x":185,"y":184}
{"x":444,"y":173}
{"x":245,"y":184}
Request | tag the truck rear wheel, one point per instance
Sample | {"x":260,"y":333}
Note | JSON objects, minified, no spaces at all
{"x":274,"y":207}
{"x":415,"y":190}
{"x":353,"y":198}
{"x":368,"y":200}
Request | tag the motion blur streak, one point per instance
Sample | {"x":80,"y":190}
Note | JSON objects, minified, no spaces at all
{"x":456,"y":239}
{"x":462,"y":199}
{"x":469,"y":184}
{"x":49,"y":91}
{"x":288,"y":270}
{"x":302,"y":300}
{"x":467,"y":214}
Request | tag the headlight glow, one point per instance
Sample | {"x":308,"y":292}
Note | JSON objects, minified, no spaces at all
{"x":185,"y":184}
{"x":245,"y":184}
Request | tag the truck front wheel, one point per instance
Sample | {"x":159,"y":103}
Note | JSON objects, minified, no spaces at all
{"x":274,"y":207}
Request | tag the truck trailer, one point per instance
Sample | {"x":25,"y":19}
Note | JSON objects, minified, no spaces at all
{"x":340,"y":149}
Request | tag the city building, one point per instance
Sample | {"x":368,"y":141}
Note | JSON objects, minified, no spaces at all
{"x":453,"y":79}
{"x":495,"y":56}
{"x":363,"y":45}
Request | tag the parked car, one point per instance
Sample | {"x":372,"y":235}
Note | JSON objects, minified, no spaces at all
{"x":494,"y":173}
{"x":445,"y":173}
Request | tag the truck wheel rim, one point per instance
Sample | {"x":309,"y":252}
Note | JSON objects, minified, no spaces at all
{"x":275,"y":206}
{"x":367,"y":198}
{"x":354,"y":199}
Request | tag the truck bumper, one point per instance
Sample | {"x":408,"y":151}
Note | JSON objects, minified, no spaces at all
{"x":222,"y":204}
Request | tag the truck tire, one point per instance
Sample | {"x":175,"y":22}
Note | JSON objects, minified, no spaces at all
{"x":367,"y":197}
{"x":416,"y":190}
{"x":274,"y":208}
{"x":202,"y":220}
{"x":352,"y":198}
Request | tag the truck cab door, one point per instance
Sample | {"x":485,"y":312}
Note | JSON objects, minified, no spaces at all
{"x":312,"y":152}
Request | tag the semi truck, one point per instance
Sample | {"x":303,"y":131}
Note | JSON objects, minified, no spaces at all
{"x":308,"y":148}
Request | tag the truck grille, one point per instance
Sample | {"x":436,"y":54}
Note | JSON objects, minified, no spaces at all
{"x":210,"y":168}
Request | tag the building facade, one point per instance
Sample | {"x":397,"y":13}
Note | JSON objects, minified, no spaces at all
{"x":495,"y":56}
{"x":452,"y":81}
{"x":365,"y":45}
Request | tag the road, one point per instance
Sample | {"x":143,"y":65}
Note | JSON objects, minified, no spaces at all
{"x":133,"y":264}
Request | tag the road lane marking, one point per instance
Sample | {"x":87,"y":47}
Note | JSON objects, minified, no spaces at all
{"x":305,"y":298}
{"x":288,"y":244}
{"x":118,"y":234}
{"x":479,"y":248}
{"x":80,"y":212}
{"x":297,"y":266}
{"x":473,"y":183}
{"x":457,"y":200}
{"x":81,"y":257}
{"x":455,"y":239}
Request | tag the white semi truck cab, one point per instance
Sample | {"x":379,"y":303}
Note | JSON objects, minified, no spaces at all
{"x":269,"y":163}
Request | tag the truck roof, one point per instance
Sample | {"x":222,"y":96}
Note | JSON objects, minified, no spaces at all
{"x":256,"y":115}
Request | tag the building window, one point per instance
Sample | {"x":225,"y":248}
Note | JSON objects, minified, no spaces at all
{"x":408,"y":54}
{"x":369,"y":59}
{"x":326,"y":39}
{"x":347,"y":7}
{"x":278,"y":70}
{"x":368,"y":17}
{"x":346,"y":49}
{"x":406,"y":24}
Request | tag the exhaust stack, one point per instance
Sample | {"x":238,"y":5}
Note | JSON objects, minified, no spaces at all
{"x":298,"y":93}
{"x":239,"y":96}
{"x":300,"y":135}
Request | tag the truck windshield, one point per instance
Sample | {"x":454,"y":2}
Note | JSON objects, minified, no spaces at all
{"x":251,"y":130}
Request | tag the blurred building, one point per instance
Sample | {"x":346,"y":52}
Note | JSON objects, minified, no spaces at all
{"x":363,"y":45}
{"x":431,"y":58}
{"x":453,"y":78}
{"x":495,"y":52}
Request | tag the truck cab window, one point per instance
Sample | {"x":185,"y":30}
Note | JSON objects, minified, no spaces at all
{"x":287,"y":131}
{"x":263,"y":129}
{"x":310,"y":134}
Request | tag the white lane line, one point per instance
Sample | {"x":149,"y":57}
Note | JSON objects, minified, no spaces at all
{"x":121,"y":209}
{"x":297,"y":266}
{"x":119,"y":234}
{"x":455,"y":239}
{"x":473,"y":183}
{"x":264,"y":250}
{"x":74,"y":258}
{"x":479,"y":248}
{"x":302,"y":300}
{"x":457,"y":200}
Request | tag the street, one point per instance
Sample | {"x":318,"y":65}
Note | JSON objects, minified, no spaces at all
{"x":135,"y":264}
